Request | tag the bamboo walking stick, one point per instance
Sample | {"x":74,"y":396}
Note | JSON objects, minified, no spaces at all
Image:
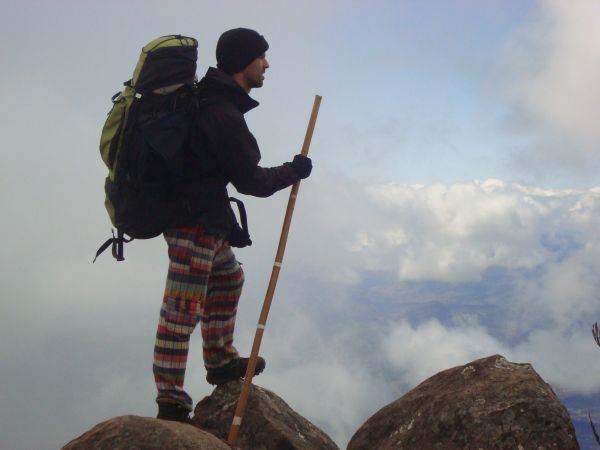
{"x":241,"y":406}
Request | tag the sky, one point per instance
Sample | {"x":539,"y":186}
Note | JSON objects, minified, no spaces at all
{"x":452,"y":212}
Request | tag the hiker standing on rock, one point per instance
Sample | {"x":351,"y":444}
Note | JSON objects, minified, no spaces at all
{"x":204,"y":279}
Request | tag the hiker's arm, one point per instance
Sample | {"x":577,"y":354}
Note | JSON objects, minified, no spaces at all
{"x":243,"y":169}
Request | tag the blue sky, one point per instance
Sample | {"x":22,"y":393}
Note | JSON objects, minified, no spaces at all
{"x":452,"y":212}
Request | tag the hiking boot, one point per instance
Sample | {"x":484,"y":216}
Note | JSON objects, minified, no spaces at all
{"x":234,"y":370}
{"x":174,"y":412}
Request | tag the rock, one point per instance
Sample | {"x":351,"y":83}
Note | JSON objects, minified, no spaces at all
{"x":144,"y":433}
{"x":268,"y":423}
{"x":487,"y":404}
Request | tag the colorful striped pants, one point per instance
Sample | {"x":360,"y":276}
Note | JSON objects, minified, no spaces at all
{"x":204,"y":283}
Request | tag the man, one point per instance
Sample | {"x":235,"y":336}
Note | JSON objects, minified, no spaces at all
{"x":204,"y":280}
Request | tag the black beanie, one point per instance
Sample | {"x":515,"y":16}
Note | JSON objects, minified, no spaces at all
{"x":239,"y":47}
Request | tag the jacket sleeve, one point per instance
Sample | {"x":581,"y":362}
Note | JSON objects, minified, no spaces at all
{"x":239,"y":156}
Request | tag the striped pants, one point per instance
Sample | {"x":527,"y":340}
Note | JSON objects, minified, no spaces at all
{"x":204,"y":283}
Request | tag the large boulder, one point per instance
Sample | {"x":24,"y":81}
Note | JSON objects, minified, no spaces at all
{"x":144,"y":433}
{"x":268,"y":423}
{"x":487,"y":404}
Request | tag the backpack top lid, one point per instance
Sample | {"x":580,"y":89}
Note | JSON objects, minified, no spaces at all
{"x":165,"y":61}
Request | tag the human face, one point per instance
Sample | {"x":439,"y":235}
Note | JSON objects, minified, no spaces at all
{"x":253,"y":75}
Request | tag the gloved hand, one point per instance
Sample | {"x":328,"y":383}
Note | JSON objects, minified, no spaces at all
{"x":302,"y":165}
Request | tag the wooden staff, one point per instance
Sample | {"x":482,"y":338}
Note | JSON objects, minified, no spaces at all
{"x":262,"y":321}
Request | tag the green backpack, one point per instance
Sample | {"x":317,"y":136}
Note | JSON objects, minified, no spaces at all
{"x":143,"y":138}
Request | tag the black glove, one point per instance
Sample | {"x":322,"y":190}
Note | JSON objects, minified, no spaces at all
{"x":302,"y":165}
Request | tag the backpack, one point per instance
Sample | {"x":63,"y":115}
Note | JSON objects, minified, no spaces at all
{"x":143,"y":141}
{"x":143,"y":138}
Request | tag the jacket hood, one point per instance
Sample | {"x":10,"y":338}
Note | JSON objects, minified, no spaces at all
{"x":218,"y":83}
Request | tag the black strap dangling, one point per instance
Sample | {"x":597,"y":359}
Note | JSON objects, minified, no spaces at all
{"x":116,"y":243}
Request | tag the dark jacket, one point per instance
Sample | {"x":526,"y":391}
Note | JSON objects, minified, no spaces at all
{"x":223,"y":150}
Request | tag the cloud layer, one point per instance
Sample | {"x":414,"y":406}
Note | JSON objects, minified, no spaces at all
{"x":402,"y":281}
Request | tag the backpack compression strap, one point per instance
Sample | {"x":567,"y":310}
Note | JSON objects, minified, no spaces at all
{"x":117,"y":246}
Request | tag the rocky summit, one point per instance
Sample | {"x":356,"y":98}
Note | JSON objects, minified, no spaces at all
{"x":490,"y":403}
{"x":268,"y":424}
{"x":487,"y":404}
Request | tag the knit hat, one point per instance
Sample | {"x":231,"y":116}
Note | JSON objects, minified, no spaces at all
{"x":239,"y":47}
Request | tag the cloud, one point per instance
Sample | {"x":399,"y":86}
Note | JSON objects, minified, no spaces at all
{"x":456,"y":232}
{"x":550,"y":67}
{"x":436,"y":232}
{"x":569,"y":361}
{"x":560,"y":85}
{"x":422,"y":351}
{"x":564,"y":293}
